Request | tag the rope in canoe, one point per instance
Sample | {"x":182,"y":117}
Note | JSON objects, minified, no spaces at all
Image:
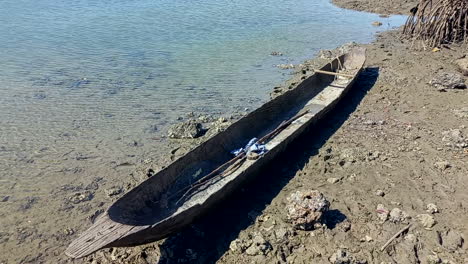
{"x":233,"y":164}
{"x":238,"y":160}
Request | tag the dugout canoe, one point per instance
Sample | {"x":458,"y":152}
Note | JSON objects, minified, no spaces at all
{"x":191,"y":185}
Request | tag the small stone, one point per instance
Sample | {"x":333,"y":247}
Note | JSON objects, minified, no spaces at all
{"x":235,"y":245}
{"x":452,"y":240}
{"x":305,"y":208}
{"x":259,"y":246}
{"x":432,"y":208}
{"x":276,"y":53}
{"x":410,"y":238}
{"x":325,"y":54}
{"x":68,"y":231}
{"x":426,"y":220}
{"x":285,"y":66}
{"x":455,"y":138}
{"x":380,"y":193}
{"x":382,"y":212}
{"x":397,"y":215}
{"x":281,"y":233}
{"x":442,"y":165}
{"x":462,"y":65}
{"x":191,"y":254}
{"x":333,"y":180}
{"x":80,"y":197}
{"x":446,"y":80}
{"x":433,"y":259}
{"x":113,"y":191}
{"x":4,"y":198}
{"x":376,"y":23}
{"x":186,"y":130}
{"x":345,"y":226}
{"x":462,"y":112}
{"x":340,"y":257}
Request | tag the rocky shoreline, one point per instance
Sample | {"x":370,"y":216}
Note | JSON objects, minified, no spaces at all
{"x":391,"y":158}
{"x":391,"y":161}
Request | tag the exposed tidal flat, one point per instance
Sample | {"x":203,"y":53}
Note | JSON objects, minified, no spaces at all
{"x":88,"y":90}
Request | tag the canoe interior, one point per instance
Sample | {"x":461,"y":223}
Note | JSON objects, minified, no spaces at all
{"x":153,"y":200}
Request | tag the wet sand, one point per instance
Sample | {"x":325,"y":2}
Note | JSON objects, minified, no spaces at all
{"x":388,"y":134}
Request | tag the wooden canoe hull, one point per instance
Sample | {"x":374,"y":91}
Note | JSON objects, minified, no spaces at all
{"x":132,"y":220}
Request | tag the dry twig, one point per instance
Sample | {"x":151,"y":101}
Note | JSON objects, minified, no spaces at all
{"x":395,"y":236}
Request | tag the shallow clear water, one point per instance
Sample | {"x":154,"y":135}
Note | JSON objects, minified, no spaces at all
{"x":90,"y":69}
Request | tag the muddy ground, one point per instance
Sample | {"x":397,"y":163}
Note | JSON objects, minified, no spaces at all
{"x":380,"y":7}
{"x":393,"y":146}
{"x":393,"y":153}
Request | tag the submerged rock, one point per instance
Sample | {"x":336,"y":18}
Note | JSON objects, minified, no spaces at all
{"x":305,"y":208}
{"x":190,"y":129}
{"x":276,"y":53}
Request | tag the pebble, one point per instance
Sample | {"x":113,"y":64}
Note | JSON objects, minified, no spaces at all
{"x":113,"y":191}
{"x":4,"y":198}
{"x":281,"y":233}
{"x":333,"y":180}
{"x":433,"y":259}
{"x":68,"y":231}
{"x":397,"y":215}
{"x":345,"y":226}
{"x":432,"y":208}
{"x":276,"y":53}
{"x":379,"y":193}
{"x":340,"y":257}
{"x":285,"y":66}
{"x":462,"y":65}
{"x":454,"y":138}
{"x":462,"y":112}
{"x":235,"y":245}
{"x":427,"y":221}
{"x":259,"y":246}
{"x":81,"y":197}
{"x":451,"y":240}
{"x":410,"y":238}
{"x":442,"y":165}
